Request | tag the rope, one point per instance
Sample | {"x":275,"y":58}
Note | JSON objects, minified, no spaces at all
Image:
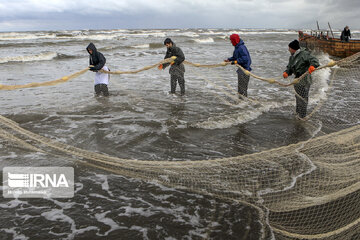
{"x":49,"y":83}
{"x":168,"y":60}
{"x":222,"y":64}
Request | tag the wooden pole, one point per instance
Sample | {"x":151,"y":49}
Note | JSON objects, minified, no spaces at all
{"x":318,"y":31}
{"x":331,"y":30}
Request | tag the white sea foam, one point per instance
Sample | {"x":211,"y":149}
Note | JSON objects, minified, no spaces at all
{"x":25,"y":36}
{"x":204,"y":40}
{"x":12,"y":204}
{"x":95,"y":37}
{"x":101,"y":217}
{"x":46,"y":56}
{"x":130,"y":211}
{"x":142,"y":46}
{"x":16,"y":234}
{"x":320,"y":81}
{"x":144,"y":231}
{"x":103,"y":180}
{"x":190,"y":34}
{"x":246,"y":115}
{"x":58,"y":215}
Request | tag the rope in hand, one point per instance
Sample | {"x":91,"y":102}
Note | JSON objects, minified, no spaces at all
{"x":168,"y":60}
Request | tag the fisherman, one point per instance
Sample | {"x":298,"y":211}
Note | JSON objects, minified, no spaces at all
{"x":242,"y":57}
{"x":345,"y":34}
{"x":301,"y":61}
{"x":97,"y":62}
{"x":177,"y":68}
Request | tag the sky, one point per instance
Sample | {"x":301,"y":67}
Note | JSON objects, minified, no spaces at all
{"x":29,"y":15}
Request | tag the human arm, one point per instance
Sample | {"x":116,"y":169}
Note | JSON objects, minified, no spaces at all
{"x":165,"y":65}
{"x":288,"y":70}
{"x":243,"y":56}
{"x":180,"y":57}
{"x":101,"y":63}
{"x":313,"y":62}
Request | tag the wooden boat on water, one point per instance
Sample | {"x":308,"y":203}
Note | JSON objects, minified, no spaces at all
{"x":333,"y":46}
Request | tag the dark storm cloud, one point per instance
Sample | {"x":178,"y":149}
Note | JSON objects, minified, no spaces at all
{"x":82,"y":14}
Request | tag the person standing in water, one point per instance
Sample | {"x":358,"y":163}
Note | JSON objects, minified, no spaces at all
{"x":177,"y":68}
{"x":300,"y":62}
{"x":97,"y":62}
{"x":242,"y":57}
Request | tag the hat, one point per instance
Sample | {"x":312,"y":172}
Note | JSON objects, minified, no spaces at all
{"x":167,"y":41}
{"x":235,"y":39}
{"x":294,"y":45}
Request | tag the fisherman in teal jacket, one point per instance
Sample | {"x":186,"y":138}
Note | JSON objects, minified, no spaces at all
{"x":301,"y":61}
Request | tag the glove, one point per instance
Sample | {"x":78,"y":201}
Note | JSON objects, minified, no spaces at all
{"x":311,"y":69}
{"x":160,"y":67}
{"x":233,"y":62}
{"x":93,"y":69}
{"x":285,"y":75}
{"x":172,"y":63}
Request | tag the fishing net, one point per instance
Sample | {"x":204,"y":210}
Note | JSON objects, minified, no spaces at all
{"x":307,"y":190}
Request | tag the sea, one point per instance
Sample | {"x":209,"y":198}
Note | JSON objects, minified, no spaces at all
{"x":141,"y":120}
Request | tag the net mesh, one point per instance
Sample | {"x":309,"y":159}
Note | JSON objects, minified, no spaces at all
{"x":307,"y":190}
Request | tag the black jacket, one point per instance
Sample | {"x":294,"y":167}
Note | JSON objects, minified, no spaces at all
{"x":180,"y":57}
{"x":345,"y":33}
{"x":97,"y":59}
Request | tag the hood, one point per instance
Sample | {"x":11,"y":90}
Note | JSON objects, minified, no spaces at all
{"x":92,"y":47}
{"x":235,"y":39}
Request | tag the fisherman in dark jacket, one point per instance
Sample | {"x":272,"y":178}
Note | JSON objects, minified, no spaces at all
{"x":345,"y":34}
{"x":242,"y":57}
{"x":177,"y":68}
{"x":301,"y":61}
{"x":97,"y":62}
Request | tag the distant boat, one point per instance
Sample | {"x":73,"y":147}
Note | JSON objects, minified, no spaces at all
{"x":317,"y":40}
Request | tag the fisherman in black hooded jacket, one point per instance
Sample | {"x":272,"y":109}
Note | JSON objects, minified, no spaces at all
{"x":177,"y":68}
{"x":97,"y":62}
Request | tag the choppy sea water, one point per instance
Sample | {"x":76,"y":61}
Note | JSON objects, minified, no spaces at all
{"x":141,"y":120}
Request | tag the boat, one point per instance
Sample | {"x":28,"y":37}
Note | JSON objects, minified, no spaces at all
{"x":317,"y":40}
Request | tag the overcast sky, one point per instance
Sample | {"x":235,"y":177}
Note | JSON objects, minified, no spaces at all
{"x":22,"y":15}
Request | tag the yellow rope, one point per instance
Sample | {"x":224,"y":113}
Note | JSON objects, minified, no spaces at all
{"x":49,"y":83}
{"x":168,"y":60}
{"x":222,"y":64}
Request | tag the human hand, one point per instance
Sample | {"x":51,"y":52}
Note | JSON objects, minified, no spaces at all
{"x":160,"y":67}
{"x":285,"y":75}
{"x":233,"y":62}
{"x":92,"y":68}
{"x":311,"y":69}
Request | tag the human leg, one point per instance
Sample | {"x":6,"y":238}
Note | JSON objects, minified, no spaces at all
{"x":173,"y":80}
{"x":302,"y":98}
{"x":243,"y":82}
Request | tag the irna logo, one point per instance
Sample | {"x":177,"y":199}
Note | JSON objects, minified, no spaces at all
{"x":35,"y":182}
